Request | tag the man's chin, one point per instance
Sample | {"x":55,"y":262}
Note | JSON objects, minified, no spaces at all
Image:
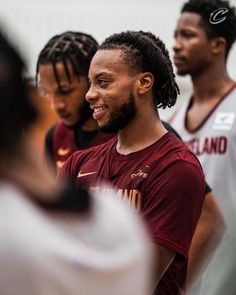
{"x":108,"y":128}
{"x":182,"y":72}
{"x":69,"y":125}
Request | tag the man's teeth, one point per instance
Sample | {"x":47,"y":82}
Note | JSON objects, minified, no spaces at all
{"x":99,"y":109}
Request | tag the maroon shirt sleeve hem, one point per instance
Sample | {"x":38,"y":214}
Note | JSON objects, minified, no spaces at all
{"x":171,"y":245}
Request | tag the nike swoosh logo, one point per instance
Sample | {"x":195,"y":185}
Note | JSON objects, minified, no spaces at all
{"x":63,"y":152}
{"x":85,"y":174}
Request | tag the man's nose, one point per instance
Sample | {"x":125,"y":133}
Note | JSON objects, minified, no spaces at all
{"x":91,"y":94}
{"x":177,"y":45}
{"x":57,"y":103}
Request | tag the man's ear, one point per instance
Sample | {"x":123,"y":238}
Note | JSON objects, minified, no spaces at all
{"x":218,"y":45}
{"x":144,"y":83}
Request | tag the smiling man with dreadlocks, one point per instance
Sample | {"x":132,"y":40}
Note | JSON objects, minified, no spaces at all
{"x":131,"y":75}
{"x":62,"y":70}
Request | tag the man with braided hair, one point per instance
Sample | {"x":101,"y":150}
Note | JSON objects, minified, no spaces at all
{"x":130,"y":76}
{"x":61,"y":75}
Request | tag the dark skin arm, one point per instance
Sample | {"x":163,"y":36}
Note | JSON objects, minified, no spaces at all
{"x":208,"y":234}
{"x":163,"y":259}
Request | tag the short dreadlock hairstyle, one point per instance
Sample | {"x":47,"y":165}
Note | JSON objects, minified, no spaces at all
{"x":225,"y":29}
{"x":17,"y":112}
{"x":145,"y":52}
{"x":75,"y":48}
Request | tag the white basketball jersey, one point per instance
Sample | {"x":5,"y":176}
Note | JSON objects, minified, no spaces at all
{"x":214,"y":143}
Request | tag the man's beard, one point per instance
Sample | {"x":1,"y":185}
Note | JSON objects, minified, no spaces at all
{"x":193,"y":71}
{"x":182,"y":73}
{"x":121,"y":117}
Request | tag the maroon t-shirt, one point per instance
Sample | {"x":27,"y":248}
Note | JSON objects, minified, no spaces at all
{"x":65,"y":142}
{"x":164,"y":181}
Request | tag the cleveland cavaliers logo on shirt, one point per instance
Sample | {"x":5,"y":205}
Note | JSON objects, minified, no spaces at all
{"x":59,"y":164}
{"x":141,"y":173}
{"x":63,"y":151}
{"x":223,"y":121}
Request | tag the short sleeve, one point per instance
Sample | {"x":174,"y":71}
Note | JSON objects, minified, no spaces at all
{"x":172,"y":204}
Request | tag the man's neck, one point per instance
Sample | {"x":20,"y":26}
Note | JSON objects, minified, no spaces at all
{"x":212,"y":84}
{"x":208,"y":89}
{"x":139,"y":134}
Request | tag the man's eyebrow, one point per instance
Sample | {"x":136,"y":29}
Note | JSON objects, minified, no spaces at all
{"x":65,"y":84}
{"x":101,"y":74}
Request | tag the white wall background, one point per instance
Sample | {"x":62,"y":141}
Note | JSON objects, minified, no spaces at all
{"x":30,"y":23}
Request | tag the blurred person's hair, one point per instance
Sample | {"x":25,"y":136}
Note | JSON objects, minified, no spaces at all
{"x":225,"y":28}
{"x":16,"y":110}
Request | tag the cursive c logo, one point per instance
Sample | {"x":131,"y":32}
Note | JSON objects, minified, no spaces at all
{"x":217,"y":16}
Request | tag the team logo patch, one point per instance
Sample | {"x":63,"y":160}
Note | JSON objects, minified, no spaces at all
{"x":63,"y":151}
{"x":218,"y":16}
{"x":80,"y":174}
{"x":59,"y":164}
{"x":141,"y":173}
{"x":223,"y":121}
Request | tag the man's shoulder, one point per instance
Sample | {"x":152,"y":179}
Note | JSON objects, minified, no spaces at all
{"x":170,"y":144}
{"x":173,"y":150}
{"x":88,"y":157}
{"x":58,"y":129}
{"x":179,"y":151}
